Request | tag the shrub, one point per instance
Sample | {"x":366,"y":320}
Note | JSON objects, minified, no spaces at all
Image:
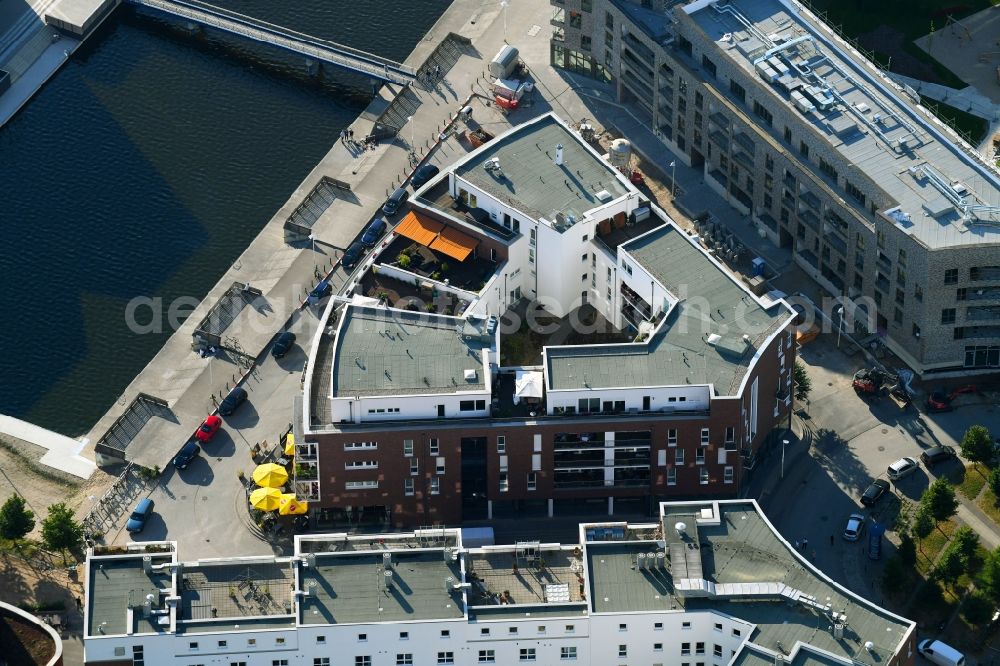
{"x":977,"y":609}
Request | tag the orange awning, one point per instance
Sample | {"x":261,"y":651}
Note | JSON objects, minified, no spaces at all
{"x":419,"y":228}
{"x":454,"y":243}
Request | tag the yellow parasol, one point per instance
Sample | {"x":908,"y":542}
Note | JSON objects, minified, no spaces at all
{"x":270,"y":476}
{"x":265,"y":499}
{"x":290,"y":445}
{"x":289,"y":506}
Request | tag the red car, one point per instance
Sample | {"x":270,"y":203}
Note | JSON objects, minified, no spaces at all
{"x":208,"y":428}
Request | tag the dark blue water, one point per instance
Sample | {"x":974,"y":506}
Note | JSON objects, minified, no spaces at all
{"x":144,"y":168}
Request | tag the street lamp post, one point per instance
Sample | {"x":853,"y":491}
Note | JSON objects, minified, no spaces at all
{"x":409,"y":119}
{"x":503,"y":5}
{"x":784,"y":443}
{"x":840,"y":324}
{"x":673,"y":180}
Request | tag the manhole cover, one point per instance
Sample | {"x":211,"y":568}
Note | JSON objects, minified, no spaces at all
{"x":829,"y":383}
{"x":885,"y":431}
{"x":184,"y":497}
{"x":881,"y":448}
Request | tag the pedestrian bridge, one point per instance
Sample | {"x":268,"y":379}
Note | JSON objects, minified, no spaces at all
{"x":323,"y":50}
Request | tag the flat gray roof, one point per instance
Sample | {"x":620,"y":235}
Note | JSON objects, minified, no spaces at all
{"x":711,"y":302}
{"x":744,"y":549}
{"x":119,"y":584}
{"x":349,"y":588}
{"x":852,"y":128}
{"x":395,"y":352}
{"x":616,"y":586}
{"x":531,"y":181}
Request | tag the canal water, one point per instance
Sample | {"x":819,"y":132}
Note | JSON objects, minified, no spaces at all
{"x":144,"y":168}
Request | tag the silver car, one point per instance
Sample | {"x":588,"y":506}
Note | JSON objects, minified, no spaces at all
{"x":855,"y":527}
{"x":901,"y":468}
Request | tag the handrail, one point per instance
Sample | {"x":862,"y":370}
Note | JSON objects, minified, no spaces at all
{"x":322,"y":49}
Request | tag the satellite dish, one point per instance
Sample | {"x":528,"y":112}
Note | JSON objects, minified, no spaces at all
{"x":680,"y":527}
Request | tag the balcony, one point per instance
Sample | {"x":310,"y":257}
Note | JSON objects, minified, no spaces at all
{"x":641,"y":49}
{"x":745,"y":142}
{"x":667,"y":90}
{"x":720,"y":119}
{"x":809,"y":199}
{"x":719,"y":139}
{"x":810,"y":219}
{"x":742,"y":158}
{"x":882,"y":283}
{"x":836,"y":242}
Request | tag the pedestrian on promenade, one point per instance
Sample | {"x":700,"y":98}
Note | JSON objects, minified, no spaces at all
{"x":805,"y":545}
{"x":350,"y":134}
{"x":798,"y":545}
{"x":343,"y":136}
{"x":437,"y":71}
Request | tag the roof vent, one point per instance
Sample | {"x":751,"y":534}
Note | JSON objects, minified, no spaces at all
{"x":559,"y":155}
{"x":603,"y":196}
{"x":470,"y":375}
{"x":960,"y":188}
{"x":713,"y":339}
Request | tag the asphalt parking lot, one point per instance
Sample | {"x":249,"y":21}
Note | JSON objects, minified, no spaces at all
{"x":203,"y":507}
{"x":853,"y":442}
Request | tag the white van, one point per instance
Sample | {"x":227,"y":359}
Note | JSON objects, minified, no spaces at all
{"x":940,"y":653}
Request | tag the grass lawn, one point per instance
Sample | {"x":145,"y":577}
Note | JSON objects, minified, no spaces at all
{"x":969,"y":480}
{"x":931,"y":547}
{"x":913,"y":18}
{"x":988,"y":503}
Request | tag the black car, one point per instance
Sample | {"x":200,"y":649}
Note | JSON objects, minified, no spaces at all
{"x":423,"y":174}
{"x":395,"y":201}
{"x":235,"y":398}
{"x":937,"y":454}
{"x":352,"y":255}
{"x":186,"y":455}
{"x":874,"y":492}
{"x":283,"y":344}
{"x":373,"y":232}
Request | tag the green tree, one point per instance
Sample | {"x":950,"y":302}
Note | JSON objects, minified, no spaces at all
{"x":990,"y":576}
{"x":60,"y":531}
{"x":949,"y":567}
{"x":965,"y":541}
{"x":923,"y":525}
{"x":977,"y":609}
{"x":16,"y":520}
{"x":803,"y":385}
{"x":993,"y":481}
{"x":977,"y":445}
{"x":907,"y":549}
{"x":894,"y":575}
{"x":939,"y":498}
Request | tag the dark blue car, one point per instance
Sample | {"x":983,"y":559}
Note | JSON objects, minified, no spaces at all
{"x":138,"y":519}
{"x":423,"y":174}
{"x":186,"y":455}
{"x":283,"y":344}
{"x":373,"y":232}
{"x":235,"y":398}
{"x":352,"y":255}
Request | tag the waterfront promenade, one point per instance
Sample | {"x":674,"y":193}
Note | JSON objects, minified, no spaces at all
{"x":284,"y":271}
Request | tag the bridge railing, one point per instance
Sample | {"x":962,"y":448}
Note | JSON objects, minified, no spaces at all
{"x":256,"y":29}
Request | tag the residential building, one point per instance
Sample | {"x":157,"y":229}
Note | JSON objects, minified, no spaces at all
{"x":881,"y":204}
{"x":411,"y":418}
{"x":710,"y":582}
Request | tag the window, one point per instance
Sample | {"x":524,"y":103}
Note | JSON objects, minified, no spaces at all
{"x":788,"y":134}
{"x":704,"y":435}
{"x":769,"y":164}
{"x":435,"y":485}
{"x":192,"y":646}
{"x":321,"y":640}
{"x":730,"y":434}
{"x":541,"y":628}
{"x":897,"y":315}
{"x":570,"y":628}
{"x":918,"y":292}
{"x":408,"y":488}
{"x":361,"y":464}
{"x":585,"y":42}
{"x":804,"y":149}
{"x":626,"y":267}
{"x":279,"y":662}
{"x":279,"y":641}
{"x":855,"y":192}
{"x":679,"y":457}
{"x":404,"y":659}
{"x":363,"y":660}
{"x":622,"y":627}
{"x":657,"y":647}
{"x":484,"y":632}
{"x":587,"y":5}
{"x":716,"y":650}
{"x":501,"y":444}
{"x":404,"y":635}
{"x":446,"y":633}
{"x":703,"y":476}
{"x":609,"y":20}
{"x":321,"y":661}
{"x":672,"y":437}
{"x":951,"y":276}
{"x":487,"y":657}
{"x":361,"y":485}
{"x":709,"y":65}
{"x":407,"y":447}
{"x":504,"y":484}
{"x":718,"y":626}
{"x":761,"y":112}
{"x":622,"y":650}
{"x":699,"y":455}
{"x":251,"y":642}
{"x":657,"y":626}
{"x":434,"y":446}
{"x":575,"y":20}
{"x":446,"y":658}
{"x":362,"y":638}
{"x":916,"y":331}
{"x":439,"y":468}
{"x":685,"y":648}
{"x":567,"y":653}
{"x":727,"y":475}
{"x":738,"y":90}
{"x":948,"y":316}
{"x":827,"y":168}
{"x":961,"y":293}
{"x":512,"y":631}
{"x":360,"y":446}
{"x":532,"y":480}
{"x":414,"y":466}
{"x":737,"y":633}
{"x":527,"y":654}
{"x":699,"y":648}
{"x":672,"y":476}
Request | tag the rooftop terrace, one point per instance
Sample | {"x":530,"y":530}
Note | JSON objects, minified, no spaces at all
{"x":117,"y":585}
{"x":355,"y":588}
{"x":396,"y":352}
{"x":530,"y":180}
{"x":496,"y":582}
{"x":244,"y":590}
{"x":711,"y":302}
{"x":760,"y":579}
{"x":863,"y":117}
